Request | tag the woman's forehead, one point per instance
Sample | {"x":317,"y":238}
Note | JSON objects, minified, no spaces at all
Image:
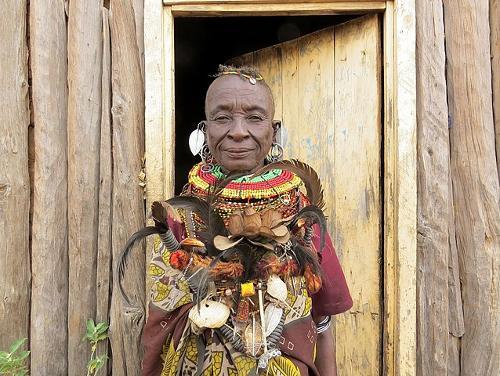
{"x":233,"y":89}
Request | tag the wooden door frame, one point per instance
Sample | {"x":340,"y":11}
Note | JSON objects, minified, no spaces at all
{"x":399,"y":138}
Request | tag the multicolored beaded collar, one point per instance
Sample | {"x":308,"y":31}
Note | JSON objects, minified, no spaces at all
{"x":267,"y":185}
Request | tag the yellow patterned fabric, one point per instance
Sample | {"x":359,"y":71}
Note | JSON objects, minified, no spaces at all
{"x":170,"y":291}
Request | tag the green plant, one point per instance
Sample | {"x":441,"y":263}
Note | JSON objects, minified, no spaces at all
{"x":12,"y":362}
{"x":95,"y":334}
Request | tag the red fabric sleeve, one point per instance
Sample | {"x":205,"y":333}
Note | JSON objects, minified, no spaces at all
{"x":334,"y":296}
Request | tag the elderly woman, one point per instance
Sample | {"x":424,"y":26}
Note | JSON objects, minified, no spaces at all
{"x":244,"y":278}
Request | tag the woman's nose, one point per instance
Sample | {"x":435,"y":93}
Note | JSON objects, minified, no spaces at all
{"x":238,"y":130}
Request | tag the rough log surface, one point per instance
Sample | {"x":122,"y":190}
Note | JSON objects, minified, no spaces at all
{"x":495,"y":70}
{"x":128,"y":204}
{"x":432,"y":198}
{"x":104,"y":257}
{"x":49,"y":250}
{"x":14,"y":178}
{"x":84,"y":117}
{"x":475,"y":181}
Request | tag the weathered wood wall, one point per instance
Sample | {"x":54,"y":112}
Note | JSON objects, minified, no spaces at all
{"x":458,"y":188}
{"x":86,"y":152}
{"x":87,"y":105}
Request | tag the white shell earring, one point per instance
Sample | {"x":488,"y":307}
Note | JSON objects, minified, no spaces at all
{"x":197,"y":138}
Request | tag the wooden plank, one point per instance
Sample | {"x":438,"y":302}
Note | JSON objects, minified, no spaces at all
{"x":14,"y":178}
{"x":290,"y":87}
{"x":153,"y":41}
{"x":256,"y":2}
{"x":495,"y":70}
{"x":433,"y":191}
{"x":455,"y":310}
{"x":154,"y":138}
{"x":476,"y":189}
{"x":168,"y":102}
{"x":268,"y":62}
{"x":84,"y":116}
{"x":128,"y":206}
{"x":104,"y":267}
{"x":405,"y":186}
{"x":49,"y":250}
{"x":390,"y":226}
{"x":138,"y":6}
{"x":400,"y":189}
{"x":357,"y":193}
{"x":282,"y":9}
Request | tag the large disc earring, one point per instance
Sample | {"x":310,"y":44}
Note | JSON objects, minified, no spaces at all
{"x":197,"y":138}
{"x":275,"y":154}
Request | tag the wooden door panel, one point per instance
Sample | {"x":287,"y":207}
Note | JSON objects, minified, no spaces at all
{"x":358,"y":199}
{"x":327,"y":91}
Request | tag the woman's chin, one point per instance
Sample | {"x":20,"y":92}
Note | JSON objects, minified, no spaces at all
{"x":236,"y":165}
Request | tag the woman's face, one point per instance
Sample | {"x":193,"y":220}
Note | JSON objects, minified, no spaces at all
{"x":240,"y":128}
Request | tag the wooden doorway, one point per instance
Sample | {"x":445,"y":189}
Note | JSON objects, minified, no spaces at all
{"x":328,"y":93}
{"x":392,"y":350}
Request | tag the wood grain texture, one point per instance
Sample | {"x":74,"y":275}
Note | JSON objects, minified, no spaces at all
{"x":313,"y":80}
{"x":104,"y":252}
{"x":495,"y":70}
{"x":476,"y":191}
{"x":153,"y":92}
{"x":433,"y":202}
{"x":84,"y":117}
{"x":168,"y":103}
{"x":405,"y":183}
{"x":389,"y":210}
{"x":153,"y":86}
{"x":14,"y":179}
{"x":281,"y":9}
{"x":257,"y":2}
{"x":49,"y":250}
{"x":139,"y":30}
{"x":358,"y":199}
{"x":128,"y":205}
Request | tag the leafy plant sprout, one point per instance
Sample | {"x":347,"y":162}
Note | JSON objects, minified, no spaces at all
{"x":95,"y":334}
{"x":12,"y":363}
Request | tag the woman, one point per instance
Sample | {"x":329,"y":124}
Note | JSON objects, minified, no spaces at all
{"x":244,"y":280}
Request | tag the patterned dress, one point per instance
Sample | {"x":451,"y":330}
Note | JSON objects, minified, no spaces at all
{"x":173,"y":347}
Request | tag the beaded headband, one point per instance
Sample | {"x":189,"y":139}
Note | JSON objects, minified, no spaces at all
{"x":251,"y":79}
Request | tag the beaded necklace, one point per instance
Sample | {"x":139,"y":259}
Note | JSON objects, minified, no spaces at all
{"x":275,"y":189}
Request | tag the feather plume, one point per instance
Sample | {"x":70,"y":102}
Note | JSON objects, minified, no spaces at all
{"x":305,"y":256}
{"x":159,"y":213}
{"x":306,"y":173}
{"x":314,"y":215}
{"x":124,"y":256}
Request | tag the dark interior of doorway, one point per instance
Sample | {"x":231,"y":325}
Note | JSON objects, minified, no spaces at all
{"x":201,"y":44}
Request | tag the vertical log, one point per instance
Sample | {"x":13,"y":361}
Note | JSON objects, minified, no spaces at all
{"x":49,"y":232}
{"x":455,"y":307}
{"x":14,"y":178}
{"x":128,"y":205}
{"x":432,"y":198}
{"x":475,"y":181}
{"x":495,"y":70}
{"x":84,"y":115}
{"x":105,"y":190}
{"x":139,"y":31}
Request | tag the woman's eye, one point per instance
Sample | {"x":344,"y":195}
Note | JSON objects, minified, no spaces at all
{"x":255,"y":118}
{"x":222,"y":118}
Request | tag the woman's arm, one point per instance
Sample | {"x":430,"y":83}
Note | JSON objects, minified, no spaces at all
{"x":326,"y":362}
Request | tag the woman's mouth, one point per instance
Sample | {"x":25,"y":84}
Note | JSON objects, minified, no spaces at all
{"x":238,"y":153}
